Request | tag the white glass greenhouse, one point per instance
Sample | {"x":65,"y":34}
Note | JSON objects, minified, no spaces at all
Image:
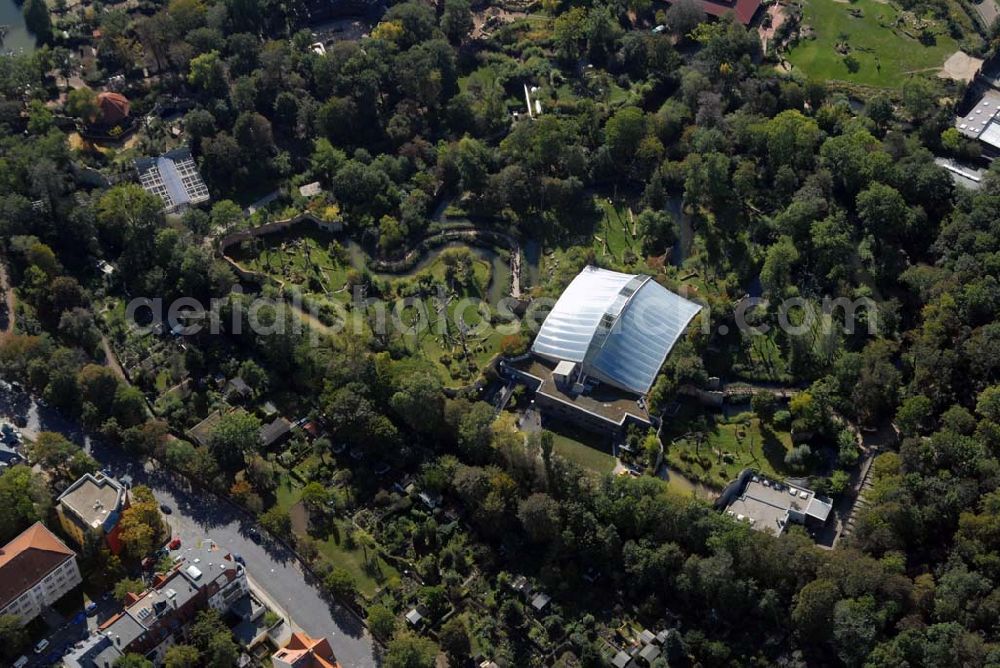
{"x":618,"y":327}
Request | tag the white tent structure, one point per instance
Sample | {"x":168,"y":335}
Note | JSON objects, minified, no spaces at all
{"x":618,"y":327}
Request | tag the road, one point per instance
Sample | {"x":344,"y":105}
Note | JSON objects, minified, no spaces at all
{"x":198,"y":514}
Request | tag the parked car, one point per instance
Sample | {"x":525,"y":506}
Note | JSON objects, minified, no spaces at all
{"x":42,"y":645}
{"x":175,"y":543}
{"x":21,"y":662}
{"x":254,"y":534}
{"x":91,"y":608}
{"x":238,"y":558}
{"x":165,"y":509}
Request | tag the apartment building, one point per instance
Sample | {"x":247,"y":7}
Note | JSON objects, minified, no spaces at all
{"x":36,"y":570}
{"x":90,"y":511}
{"x":203,"y":577}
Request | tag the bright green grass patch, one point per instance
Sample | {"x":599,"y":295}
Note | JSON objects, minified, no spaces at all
{"x":438,"y":269}
{"x":447,"y":351}
{"x":305,"y":262}
{"x":728,"y":447}
{"x":440,"y":338}
{"x":884,"y":52}
{"x":288,"y":493}
{"x":583,"y":449}
{"x":319,"y":265}
{"x":369,"y":570}
{"x":613,"y":233}
{"x":368,"y":574}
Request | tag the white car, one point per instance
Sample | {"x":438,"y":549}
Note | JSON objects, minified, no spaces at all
{"x":41,"y":646}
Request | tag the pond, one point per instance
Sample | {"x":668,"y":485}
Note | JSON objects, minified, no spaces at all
{"x":531,"y":269}
{"x":17,"y":39}
{"x":685,"y":234}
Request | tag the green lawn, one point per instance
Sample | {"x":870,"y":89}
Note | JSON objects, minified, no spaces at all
{"x":441,"y":342}
{"x":584,"y":450}
{"x":614,"y":230}
{"x":369,"y":575}
{"x":727,"y":448}
{"x":287,"y":493}
{"x":304,"y":258}
{"x":885,"y":53}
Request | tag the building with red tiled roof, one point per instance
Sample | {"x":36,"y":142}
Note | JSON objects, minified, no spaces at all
{"x":303,"y":651}
{"x":114,"y":107}
{"x":36,"y":570}
{"x":744,"y":10}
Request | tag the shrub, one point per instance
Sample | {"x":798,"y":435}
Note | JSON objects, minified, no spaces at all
{"x":797,"y":458}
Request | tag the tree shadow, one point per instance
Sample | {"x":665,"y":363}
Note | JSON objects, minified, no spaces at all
{"x":773,"y":449}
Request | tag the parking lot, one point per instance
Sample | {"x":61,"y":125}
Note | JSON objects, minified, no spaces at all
{"x":66,"y":624}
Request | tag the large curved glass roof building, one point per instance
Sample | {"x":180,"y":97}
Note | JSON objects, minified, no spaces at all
{"x":618,"y":327}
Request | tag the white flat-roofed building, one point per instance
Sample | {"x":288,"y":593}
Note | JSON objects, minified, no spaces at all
{"x":91,"y":508}
{"x":982,"y":122}
{"x":769,"y":505}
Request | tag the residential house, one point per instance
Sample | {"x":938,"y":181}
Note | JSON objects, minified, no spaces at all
{"x":238,"y":390}
{"x":36,"y":570}
{"x":303,"y":651}
{"x":275,"y":433}
{"x":743,"y":10}
{"x":90,"y":511}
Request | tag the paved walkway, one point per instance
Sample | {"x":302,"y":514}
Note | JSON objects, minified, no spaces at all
{"x":987,"y":10}
{"x":111,"y":360}
{"x":740,"y":387}
{"x":8,"y":309}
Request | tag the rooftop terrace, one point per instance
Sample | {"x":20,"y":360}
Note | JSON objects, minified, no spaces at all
{"x":983,"y":120}
{"x":601,"y":400}
{"x":769,"y":505}
{"x":93,"y":498}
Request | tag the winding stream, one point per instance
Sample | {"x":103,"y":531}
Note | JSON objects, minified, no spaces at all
{"x":500,"y":273}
